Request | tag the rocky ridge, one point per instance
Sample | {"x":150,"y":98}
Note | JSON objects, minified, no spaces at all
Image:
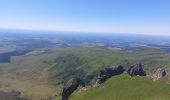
{"x":158,"y":74}
{"x":136,"y":69}
{"x":109,"y":72}
{"x":106,"y":73}
{"x":70,"y":87}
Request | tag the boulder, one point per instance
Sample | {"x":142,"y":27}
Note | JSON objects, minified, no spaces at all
{"x":158,"y":74}
{"x":109,"y":72}
{"x":70,"y":87}
{"x":136,"y":69}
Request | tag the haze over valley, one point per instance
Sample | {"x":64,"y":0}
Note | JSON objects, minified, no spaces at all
{"x":84,"y":50}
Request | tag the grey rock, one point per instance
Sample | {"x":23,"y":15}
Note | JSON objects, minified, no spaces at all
{"x":70,"y":87}
{"x":109,"y":72}
{"x":158,"y":74}
{"x":136,"y":69}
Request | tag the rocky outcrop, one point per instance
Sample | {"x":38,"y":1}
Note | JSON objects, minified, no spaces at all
{"x":109,"y":72}
{"x":159,"y":73}
{"x":136,"y":69}
{"x":70,"y":87}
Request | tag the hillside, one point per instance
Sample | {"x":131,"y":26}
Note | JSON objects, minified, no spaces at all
{"x":47,"y":71}
{"x":124,"y":87}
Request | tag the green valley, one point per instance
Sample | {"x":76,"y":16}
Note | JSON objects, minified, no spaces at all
{"x":49,"y":70}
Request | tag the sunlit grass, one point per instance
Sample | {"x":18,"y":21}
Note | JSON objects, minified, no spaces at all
{"x":124,"y":87}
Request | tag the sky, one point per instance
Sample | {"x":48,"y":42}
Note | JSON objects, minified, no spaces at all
{"x":113,"y":16}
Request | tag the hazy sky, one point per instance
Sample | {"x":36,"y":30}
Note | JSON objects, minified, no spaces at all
{"x":117,"y":16}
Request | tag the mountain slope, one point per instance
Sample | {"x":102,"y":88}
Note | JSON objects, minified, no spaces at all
{"x":124,"y":87}
{"x":48,"y":70}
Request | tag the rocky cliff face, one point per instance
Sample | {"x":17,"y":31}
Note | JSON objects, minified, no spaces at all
{"x":136,"y":69}
{"x":159,"y":73}
{"x":70,"y":87}
{"x":109,"y":72}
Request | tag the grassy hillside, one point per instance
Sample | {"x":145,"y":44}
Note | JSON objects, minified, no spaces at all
{"x":45,"y":71}
{"x":124,"y":87}
{"x":88,"y":61}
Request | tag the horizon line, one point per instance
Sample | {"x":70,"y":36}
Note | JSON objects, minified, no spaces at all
{"x":95,"y":32}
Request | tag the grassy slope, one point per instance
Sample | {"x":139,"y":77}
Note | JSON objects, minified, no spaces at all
{"x":89,"y":61}
{"x":124,"y":87}
{"x":43,"y":71}
{"x":29,"y":74}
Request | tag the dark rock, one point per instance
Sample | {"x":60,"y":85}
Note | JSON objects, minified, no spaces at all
{"x":109,"y":72}
{"x":70,"y":87}
{"x":136,"y":69}
{"x":158,"y":74}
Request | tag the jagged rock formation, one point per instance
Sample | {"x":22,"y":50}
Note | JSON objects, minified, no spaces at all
{"x":109,"y":72}
{"x":70,"y":87}
{"x":136,"y":69}
{"x":159,"y":73}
